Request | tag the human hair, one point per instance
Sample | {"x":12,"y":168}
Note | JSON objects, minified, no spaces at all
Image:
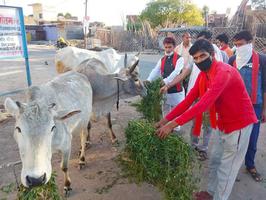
{"x":169,"y":40}
{"x":185,"y":33}
{"x":201,"y":45}
{"x":223,"y":38}
{"x":243,"y":35}
{"x":206,"y":34}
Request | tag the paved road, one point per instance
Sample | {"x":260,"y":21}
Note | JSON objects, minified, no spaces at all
{"x":13,"y":74}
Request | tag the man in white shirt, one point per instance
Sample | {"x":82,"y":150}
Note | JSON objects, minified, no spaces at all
{"x":195,"y":70}
{"x":168,"y":67}
{"x":183,"y":50}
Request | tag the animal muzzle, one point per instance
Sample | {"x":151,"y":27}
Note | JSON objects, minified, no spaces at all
{"x":143,"y":92}
{"x":33,"y":182}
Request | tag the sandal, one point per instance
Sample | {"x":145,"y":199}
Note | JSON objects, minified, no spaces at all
{"x":255,"y":175}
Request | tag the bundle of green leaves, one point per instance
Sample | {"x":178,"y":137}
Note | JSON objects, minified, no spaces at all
{"x":48,"y":191}
{"x":150,"y":105}
{"x":170,"y":164}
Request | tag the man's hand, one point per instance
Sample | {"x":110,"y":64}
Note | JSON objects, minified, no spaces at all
{"x":164,"y":131}
{"x":164,"y":89}
{"x":162,"y":83}
{"x":161,"y":123}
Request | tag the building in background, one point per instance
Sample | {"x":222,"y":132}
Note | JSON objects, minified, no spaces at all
{"x":45,"y":24}
{"x":217,"y":20}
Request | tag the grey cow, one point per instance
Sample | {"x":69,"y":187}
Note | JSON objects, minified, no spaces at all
{"x":45,"y":124}
{"x":109,"y":88}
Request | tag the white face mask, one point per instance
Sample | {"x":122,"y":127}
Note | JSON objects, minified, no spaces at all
{"x":243,"y":55}
{"x":168,"y":54}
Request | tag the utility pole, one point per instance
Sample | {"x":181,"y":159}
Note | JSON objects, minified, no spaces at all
{"x":85,"y":27}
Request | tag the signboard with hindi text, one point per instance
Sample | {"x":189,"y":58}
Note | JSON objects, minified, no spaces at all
{"x":11,"y":44}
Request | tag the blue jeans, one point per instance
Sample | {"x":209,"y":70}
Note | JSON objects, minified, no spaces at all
{"x":252,"y":147}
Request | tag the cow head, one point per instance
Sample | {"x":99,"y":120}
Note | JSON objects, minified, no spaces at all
{"x":131,"y":83}
{"x":36,"y":125}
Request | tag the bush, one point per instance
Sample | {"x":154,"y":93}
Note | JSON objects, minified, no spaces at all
{"x":150,"y":105}
{"x":170,"y":164}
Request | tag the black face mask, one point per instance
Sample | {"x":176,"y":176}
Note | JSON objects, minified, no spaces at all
{"x":205,"y":65}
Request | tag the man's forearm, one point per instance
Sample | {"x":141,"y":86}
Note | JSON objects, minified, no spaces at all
{"x":185,"y":72}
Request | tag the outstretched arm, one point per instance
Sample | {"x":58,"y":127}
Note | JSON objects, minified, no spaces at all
{"x":156,"y":72}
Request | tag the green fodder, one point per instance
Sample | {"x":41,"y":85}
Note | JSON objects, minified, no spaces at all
{"x":170,"y":164}
{"x":48,"y":191}
{"x":150,"y":105}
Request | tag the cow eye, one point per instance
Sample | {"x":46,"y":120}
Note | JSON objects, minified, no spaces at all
{"x":52,"y":128}
{"x":18,"y":129}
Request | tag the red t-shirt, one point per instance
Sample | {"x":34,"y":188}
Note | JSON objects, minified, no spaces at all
{"x":227,"y":92}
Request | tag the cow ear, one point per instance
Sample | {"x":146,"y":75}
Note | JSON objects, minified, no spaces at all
{"x":62,"y":115}
{"x":12,"y":107}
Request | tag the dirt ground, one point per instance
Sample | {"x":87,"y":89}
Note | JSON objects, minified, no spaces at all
{"x":101,"y":179}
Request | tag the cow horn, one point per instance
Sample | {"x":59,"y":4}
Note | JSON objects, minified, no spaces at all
{"x":125,"y":60}
{"x":132,"y":68}
{"x":119,"y":78}
{"x":21,"y":106}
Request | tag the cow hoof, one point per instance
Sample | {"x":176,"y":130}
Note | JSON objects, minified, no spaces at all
{"x":115,"y":143}
{"x":88,"y":145}
{"x":81,"y":165}
{"x":79,"y":153}
{"x":67,"y":191}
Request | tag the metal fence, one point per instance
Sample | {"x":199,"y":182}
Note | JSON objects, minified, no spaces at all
{"x":152,"y":39}
{"x":260,"y":37}
{"x":129,"y":40}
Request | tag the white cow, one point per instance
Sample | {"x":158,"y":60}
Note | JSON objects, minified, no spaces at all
{"x":53,"y":112}
{"x":70,"y":57}
{"x":112,"y":77}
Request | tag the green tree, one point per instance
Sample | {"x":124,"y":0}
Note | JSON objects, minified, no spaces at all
{"x":166,"y":12}
{"x":205,"y":13}
{"x":68,"y":15}
{"x":60,"y":15}
{"x":134,"y":25}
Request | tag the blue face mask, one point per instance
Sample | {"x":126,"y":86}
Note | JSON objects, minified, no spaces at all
{"x":205,"y":65}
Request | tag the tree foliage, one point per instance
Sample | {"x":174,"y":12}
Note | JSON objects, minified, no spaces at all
{"x":134,"y":25}
{"x":60,"y":15}
{"x":68,"y":15}
{"x":169,"y":12}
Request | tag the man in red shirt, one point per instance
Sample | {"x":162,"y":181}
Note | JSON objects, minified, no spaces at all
{"x":219,"y":90}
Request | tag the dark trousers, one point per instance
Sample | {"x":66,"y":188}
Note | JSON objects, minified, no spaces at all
{"x":252,"y":147}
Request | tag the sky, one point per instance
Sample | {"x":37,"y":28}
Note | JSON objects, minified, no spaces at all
{"x":111,"y":12}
